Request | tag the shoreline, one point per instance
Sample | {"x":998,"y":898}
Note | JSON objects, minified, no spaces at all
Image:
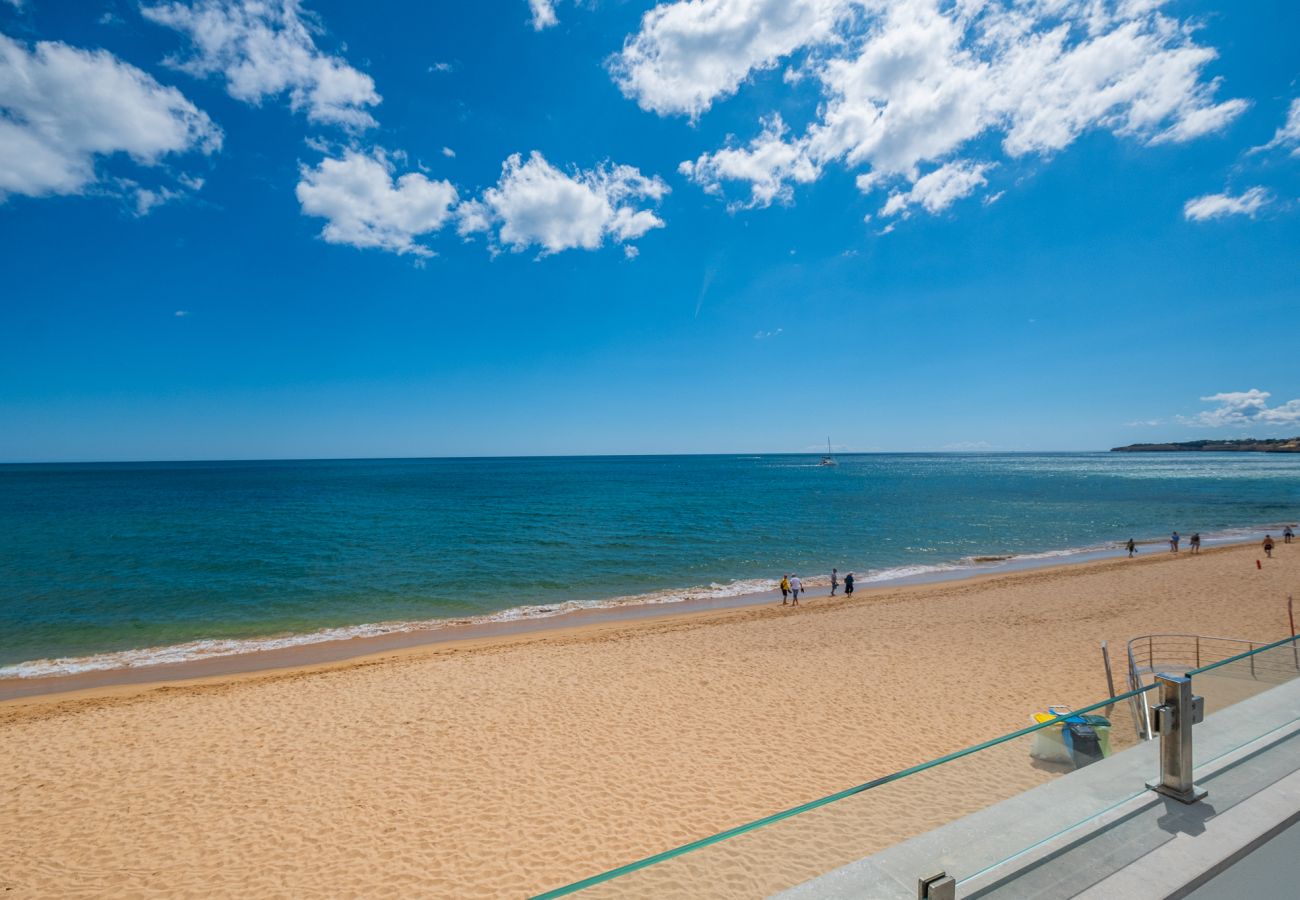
{"x":452,"y":635}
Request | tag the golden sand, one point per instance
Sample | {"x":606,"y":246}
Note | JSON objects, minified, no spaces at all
{"x":505,"y":767}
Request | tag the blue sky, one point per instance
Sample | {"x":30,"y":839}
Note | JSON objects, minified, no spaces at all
{"x":238,"y":230}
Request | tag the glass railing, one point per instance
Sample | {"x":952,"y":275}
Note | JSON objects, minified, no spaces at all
{"x":1101,"y":746}
{"x":1229,"y":686}
{"x":790,"y":847}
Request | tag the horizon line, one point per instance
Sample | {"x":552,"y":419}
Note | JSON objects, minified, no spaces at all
{"x":253,"y":459}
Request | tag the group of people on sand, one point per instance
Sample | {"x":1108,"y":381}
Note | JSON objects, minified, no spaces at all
{"x":792,"y":587}
{"x":1195,"y":542}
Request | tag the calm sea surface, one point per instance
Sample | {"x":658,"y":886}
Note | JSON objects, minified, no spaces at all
{"x":201,"y":557}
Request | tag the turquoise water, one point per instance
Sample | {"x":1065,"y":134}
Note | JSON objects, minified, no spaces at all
{"x":200,"y":557}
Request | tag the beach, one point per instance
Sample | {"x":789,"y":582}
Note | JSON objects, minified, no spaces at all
{"x":503,"y":766}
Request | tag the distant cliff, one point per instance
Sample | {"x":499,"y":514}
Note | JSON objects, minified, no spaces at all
{"x":1245,"y":445}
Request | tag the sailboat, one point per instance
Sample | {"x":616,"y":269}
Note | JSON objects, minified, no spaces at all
{"x":829,"y":458}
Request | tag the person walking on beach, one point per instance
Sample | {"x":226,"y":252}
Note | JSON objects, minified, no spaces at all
{"x":848,"y":585}
{"x":1287,"y":535}
{"x":1132,"y":548}
{"x":785,"y":589}
{"x":1173,"y":542}
{"x":795,"y":587}
{"x":835,"y":580}
{"x":1196,"y":542}
{"x":1268,"y":545}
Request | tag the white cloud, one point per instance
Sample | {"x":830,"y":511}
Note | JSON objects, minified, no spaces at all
{"x":1245,"y":408}
{"x":473,"y":217}
{"x":441,"y":67}
{"x":688,"y":54}
{"x":264,"y":48}
{"x":62,"y":108}
{"x":1289,"y":134}
{"x":146,"y":199}
{"x":534,"y":203}
{"x":909,"y":84}
{"x":630,"y":251}
{"x":448,"y":152}
{"x":181,"y":313}
{"x":939,"y":189}
{"x":1214,"y":206}
{"x":367,"y":207}
{"x":543,"y":14}
{"x":769,"y":164}
{"x":764,"y":335}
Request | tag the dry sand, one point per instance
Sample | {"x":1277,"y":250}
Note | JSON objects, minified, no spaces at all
{"x":507,"y":767}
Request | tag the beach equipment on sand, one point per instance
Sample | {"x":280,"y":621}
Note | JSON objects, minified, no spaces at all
{"x":1075,"y":741}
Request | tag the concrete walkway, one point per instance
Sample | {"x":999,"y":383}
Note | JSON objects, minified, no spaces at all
{"x":1098,"y":833}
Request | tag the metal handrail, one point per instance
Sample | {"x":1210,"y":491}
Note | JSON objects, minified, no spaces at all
{"x":1170,"y":649}
{"x":1170,"y":644}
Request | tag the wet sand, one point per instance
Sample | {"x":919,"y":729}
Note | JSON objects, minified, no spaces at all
{"x":507,"y":764}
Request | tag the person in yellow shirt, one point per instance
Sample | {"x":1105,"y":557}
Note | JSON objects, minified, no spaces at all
{"x":785,"y":589}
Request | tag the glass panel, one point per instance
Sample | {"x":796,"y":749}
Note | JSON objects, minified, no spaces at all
{"x":1241,"y":705}
{"x":791,"y":847}
{"x":1102,"y":785}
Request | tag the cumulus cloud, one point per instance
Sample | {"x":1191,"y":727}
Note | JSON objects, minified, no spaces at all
{"x":1215,"y":206}
{"x":366,"y":206}
{"x":1245,"y":408}
{"x":147,"y":199}
{"x":939,"y":189}
{"x":265,"y":48}
{"x":1288,"y":136}
{"x":690,"y":53}
{"x":770,"y":165}
{"x":62,"y":108}
{"x":534,"y":203}
{"x":910,"y":84}
{"x":543,"y":14}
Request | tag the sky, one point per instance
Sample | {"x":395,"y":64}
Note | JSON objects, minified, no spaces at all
{"x":277,"y":229}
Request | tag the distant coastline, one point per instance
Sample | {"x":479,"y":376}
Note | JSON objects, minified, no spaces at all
{"x":1244,"y":445}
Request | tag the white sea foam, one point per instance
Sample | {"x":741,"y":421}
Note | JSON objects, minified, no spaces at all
{"x":191,"y":651}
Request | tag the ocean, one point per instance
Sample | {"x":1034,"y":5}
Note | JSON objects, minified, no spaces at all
{"x":108,"y":565}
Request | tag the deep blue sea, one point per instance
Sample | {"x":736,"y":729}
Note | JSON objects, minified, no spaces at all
{"x":198,"y":558}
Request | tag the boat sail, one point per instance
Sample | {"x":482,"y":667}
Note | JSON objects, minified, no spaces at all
{"x":829,"y":458}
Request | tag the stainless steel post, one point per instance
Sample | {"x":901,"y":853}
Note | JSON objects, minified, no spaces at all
{"x":1178,"y":711}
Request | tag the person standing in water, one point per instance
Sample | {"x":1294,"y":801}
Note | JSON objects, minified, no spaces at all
{"x":1132,"y":548}
{"x":785,"y":589}
{"x":848,"y":585}
{"x":1173,"y":542}
{"x":1196,"y":542}
{"x":835,"y":580}
{"x":1268,"y":545}
{"x":795,"y":587}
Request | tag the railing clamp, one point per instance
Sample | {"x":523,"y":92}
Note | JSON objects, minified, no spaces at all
{"x":939,"y":886}
{"x":1173,"y":719}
